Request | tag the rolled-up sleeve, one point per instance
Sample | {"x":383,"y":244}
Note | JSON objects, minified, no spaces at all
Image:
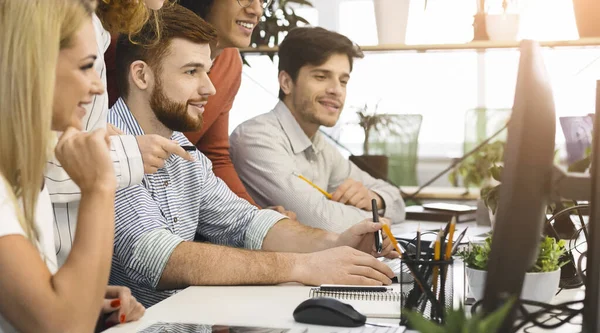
{"x":143,"y":240}
{"x":228,"y":219}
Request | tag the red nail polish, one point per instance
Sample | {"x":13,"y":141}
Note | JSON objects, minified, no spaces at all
{"x":115,"y":304}
{"x":122,"y":318}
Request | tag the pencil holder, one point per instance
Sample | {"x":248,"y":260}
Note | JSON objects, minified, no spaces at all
{"x":426,"y":287}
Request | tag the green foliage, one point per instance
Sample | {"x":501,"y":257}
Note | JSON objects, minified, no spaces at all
{"x":583,"y":164}
{"x":278,"y":18}
{"x":549,"y":256}
{"x":477,"y":255}
{"x":477,"y":168}
{"x":371,"y":121}
{"x":457,"y":321}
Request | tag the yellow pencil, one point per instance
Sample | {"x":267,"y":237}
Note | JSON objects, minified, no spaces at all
{"x":436,"y":257}
{"x":450,"y":238}
{"x":313,"y":185}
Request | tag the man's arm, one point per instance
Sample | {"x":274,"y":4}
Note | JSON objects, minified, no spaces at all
{"x":215,"y":145}
{"x":265,"y":165}
{"x":388,"y":196}
{"x":153,"y":256}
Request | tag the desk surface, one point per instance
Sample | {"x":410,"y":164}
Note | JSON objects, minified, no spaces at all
{"x":272,"y":306}
{"x":442,"y":193}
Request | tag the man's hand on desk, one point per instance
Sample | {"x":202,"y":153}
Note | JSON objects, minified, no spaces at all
{"x":341,"y":265}
{"x":361,"y":237}
{"x":354,"y":193}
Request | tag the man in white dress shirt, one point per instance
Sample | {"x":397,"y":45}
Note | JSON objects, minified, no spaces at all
{"x":267,"y":151}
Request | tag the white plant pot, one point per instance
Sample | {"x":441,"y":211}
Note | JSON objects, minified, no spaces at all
{"x":539,"y":287}
{"x":502,"y":27}
{"x":391,"y":17}
{"x":492,"y":218}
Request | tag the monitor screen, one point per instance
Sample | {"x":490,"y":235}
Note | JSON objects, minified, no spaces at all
{"x":526,"y":182}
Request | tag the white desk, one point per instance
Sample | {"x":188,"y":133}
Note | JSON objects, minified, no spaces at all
{"x":272,"y":306}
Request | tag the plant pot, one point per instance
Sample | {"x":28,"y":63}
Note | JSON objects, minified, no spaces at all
{"x":391,"y":17}
{"x":587,"y":16}
{"x":539,"y":287}
{"x":374,"y":165}
{"x":502,"y":27}
{"x":492,"y":218}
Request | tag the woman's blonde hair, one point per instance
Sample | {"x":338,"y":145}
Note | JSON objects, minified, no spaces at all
{"x":32,"y":32}
{"x":128,"y":16}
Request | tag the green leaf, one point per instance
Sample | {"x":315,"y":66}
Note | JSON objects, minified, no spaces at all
{"x":496,"y":172}
{"x":420,"y":324}
{"x":491,"y":323}
{"x":581,"y":165}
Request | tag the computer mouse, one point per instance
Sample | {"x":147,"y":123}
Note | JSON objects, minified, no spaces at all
{"x":328,"y":311}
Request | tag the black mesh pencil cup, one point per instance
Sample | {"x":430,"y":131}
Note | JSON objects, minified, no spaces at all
{"x":426,"y":287}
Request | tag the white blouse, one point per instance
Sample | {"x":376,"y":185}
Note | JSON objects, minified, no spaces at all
{"x":9,"y":225}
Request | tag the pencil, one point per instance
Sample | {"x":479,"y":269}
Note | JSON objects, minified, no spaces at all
{"x":450,"y":238}
{"x":325,"y":193}
{"x":418,"y":256}
{"x":436,"y":257}
{"x":458,"y":240}
{"x":378,"y":236}
{"x":392,"y":239}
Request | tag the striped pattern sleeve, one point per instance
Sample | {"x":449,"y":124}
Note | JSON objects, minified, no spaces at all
{"x":247,"y":225}
{"x":144,"y":240}
{"x":124,"y":151}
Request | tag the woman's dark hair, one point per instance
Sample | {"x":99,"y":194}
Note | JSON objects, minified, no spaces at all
{"x":312,"y":46}
{"x":200,"y":7}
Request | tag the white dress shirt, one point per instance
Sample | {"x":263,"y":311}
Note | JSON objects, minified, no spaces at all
{"x":125,"y":153}
{"x":268,"y":149}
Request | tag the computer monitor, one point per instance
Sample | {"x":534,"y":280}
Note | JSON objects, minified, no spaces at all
{"x":591,"y":304}
{"x":526,"y":183}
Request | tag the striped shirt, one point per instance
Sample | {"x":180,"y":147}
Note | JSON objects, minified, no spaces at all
{"x":267,"y":149}
{"x":125,"y":153}
{"x":168,"y":208}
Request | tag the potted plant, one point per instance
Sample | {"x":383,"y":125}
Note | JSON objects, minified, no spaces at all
{"x":459,"y":321}
{"x":391,"y":17}
{"x":503,"y":24}
{"x":476,"y":170}
{"x":541,"y":280}
{"x":482,"y":170}
{"x":278,"y":18}
{"x":587,"y":16}
{"x":374,"y":124}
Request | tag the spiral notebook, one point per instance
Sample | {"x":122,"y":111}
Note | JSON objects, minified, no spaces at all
{"x":377,"y":304}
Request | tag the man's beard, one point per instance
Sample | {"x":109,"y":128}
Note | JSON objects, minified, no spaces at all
{"x":172,"y":114}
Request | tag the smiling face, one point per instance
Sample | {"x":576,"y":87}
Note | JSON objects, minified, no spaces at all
{"x":234,"y":24}
{"x":317,"y":96}
{"x":77,"y":82}
{"x":182,"y":87}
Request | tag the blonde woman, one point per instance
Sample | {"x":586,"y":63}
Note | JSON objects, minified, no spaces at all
{"x":46,"y":44}
{"x":132,"y":156}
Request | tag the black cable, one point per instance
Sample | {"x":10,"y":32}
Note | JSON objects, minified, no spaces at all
{"x":406,"y":196}
{"x":546,"y":309}
{"x":456,"y":162}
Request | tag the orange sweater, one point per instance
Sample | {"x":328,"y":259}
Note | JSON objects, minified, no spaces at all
{"x":213,"y":139}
